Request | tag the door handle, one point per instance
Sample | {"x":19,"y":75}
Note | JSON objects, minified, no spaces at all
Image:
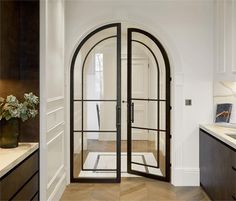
{"x":132,"y":112}
{"x":124,"y":101}
{"x":118,"y":116}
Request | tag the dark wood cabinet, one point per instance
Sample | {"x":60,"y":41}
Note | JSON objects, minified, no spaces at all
{"x":19,"y":74}
{"x":217,"y":163}
{"x":19,"y":55}
{"x":22,"y":182}
{"x":19,"y":40}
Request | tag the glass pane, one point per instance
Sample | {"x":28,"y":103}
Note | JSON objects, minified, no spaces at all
{"x":148,"y":170}
{"x":150,"y":75}
{"x":99,"y":146}
{"x":99,"y":115}
{"x":144,"y":147}
{"x":140,"y":77}
{"x":144,"y":75}
{"x":145,"y":114}
{"x":78,"y":78}
{"x":162,"y":153}
{"x":100,"y":72}
{"x":145,"y":150}
{"x":162,"y":119}
{"x":99,"y":155}
{"x":100,"y":62}
{"x":77,"y":153}
{"x":77,"y":115}
{"x":152,"y":80}
{"x":140,"y":114}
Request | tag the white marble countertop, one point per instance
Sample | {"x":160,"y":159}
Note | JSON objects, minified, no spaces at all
{"x":9,"y":158}
{"x":220,"y":133}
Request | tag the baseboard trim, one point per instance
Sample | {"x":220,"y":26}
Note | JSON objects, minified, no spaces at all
{"x":59,"y":189}
{"x":185,"y":177}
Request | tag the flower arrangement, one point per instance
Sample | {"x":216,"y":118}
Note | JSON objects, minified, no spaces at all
{"x":11,"y":108}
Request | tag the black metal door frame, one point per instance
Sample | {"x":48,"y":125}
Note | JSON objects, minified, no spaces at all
{"x":118,"y":105}
{"x":118,"y":108}
{"x":130,"y":105}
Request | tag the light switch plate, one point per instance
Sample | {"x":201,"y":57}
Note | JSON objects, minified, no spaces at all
{"x":188,"y":102}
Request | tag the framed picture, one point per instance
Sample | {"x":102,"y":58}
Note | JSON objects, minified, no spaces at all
{"x":223,"y":112}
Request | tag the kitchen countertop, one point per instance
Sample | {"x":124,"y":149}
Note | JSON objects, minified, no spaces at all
{"x":220,"y":132}
{"x":9,"y":158}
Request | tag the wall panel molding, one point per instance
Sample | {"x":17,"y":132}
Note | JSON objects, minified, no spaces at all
{"x":233,"y":36}
{"x":56,"y":180}
{"x":58,"y":98}
{"x":221,"y":36}
{"x":55,"y":160}
{"x":60,"y":127}
{"x":54,"y":103}
{"x":59,"y":189}
{"x":55,"y":117}
{"x":54,"y":138}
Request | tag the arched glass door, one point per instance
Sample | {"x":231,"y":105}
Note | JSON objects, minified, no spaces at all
{"x":148,"y":98}
{"x":96,"y":106}
{"x":95,"y":113}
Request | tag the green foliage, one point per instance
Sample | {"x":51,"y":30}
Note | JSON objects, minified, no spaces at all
{"x":12,"y":108}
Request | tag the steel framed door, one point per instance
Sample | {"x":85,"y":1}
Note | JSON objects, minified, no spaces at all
{"x":149,"y":157}
{"x":95,"y":106}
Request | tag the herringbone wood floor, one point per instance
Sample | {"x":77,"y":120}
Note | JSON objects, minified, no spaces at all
{"x":133,"y":189}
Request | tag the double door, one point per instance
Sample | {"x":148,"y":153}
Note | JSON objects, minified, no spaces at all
{"x":98,"y":107}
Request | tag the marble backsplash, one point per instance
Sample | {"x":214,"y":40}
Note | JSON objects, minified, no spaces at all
{"x":225,"y":92}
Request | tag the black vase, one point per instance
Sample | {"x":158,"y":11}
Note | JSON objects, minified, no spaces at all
{"x":9,"y":133}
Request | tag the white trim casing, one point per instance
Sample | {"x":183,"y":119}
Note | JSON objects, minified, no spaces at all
{"x":52,"y":101}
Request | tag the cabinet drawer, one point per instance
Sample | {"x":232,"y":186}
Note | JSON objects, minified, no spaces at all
{"x":14,"y":180}
{"x":29,"y":190}
{"x":36,"y":197}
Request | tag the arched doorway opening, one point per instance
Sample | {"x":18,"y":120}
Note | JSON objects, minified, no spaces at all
{"x":120,"y":106}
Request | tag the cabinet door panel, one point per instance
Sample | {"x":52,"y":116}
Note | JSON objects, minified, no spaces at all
{"x":216,"y":161}
{"x":225,"y":40}
{"x":28,"y":190}
{"x":18,"y":177}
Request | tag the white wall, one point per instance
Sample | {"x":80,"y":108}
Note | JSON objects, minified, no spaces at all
{"x":185,"y":27}
{"x":52,"y":160}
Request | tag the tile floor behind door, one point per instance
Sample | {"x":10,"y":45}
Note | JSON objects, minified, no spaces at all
{"x":133,"y":189}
